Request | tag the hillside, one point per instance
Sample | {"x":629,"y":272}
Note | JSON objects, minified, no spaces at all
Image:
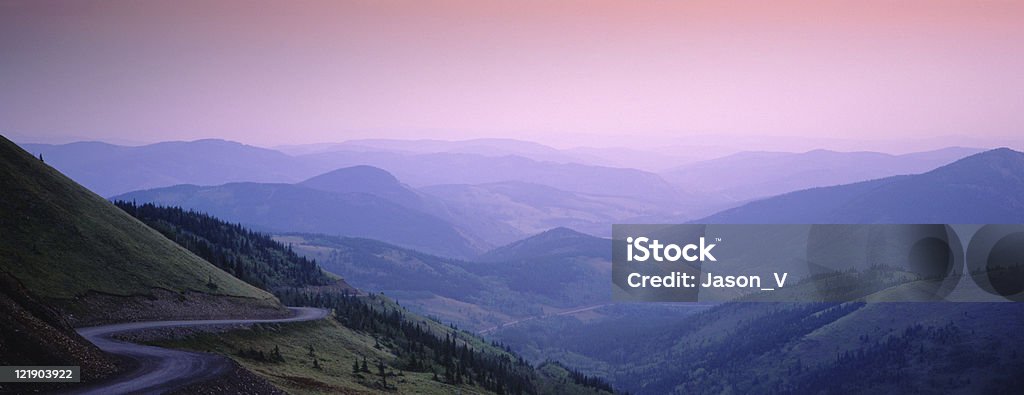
{"x":294,"y":208}
{"x":554,"y":243}
{"x":66,"y":244}
{"x":802,"y":348}
{"x":561,"y":265}
{"x":250,"y":256}
{"x":68,"y":257}
{"x":32,"y":333}
{"x":441,"y":287}
{"x":982,"y":188}
{"x":370,"y":343}
{"x":373,"y":345}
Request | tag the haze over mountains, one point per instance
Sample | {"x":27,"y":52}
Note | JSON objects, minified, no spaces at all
{"x":296,"y":208}
{"x":476,"y":194}
{"x":112,"y":169}
{"x":556,"y":269}
{"x":983,"y":188}
{"x":71,"y":258}
{"x":549,"y":282}
{"x":816,"y":348}
{"x":751,"y":175}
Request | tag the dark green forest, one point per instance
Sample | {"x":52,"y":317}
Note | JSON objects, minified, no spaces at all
{"x":250,"y":256}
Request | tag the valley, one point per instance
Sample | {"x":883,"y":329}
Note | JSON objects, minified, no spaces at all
{"x":438,"y":286}
{"x":192,"y":276}
{"x":556,"y":197}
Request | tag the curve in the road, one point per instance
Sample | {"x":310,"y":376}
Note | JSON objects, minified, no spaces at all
{"x":159,"y":370}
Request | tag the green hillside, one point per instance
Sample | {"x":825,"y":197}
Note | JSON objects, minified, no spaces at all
{"x":250,"y":256}
{"x":373,"y":345}
{"x":63,"y":241}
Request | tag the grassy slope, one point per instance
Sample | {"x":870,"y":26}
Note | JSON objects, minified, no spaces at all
{"x":336,"y":347}
{"x":61,"y":240}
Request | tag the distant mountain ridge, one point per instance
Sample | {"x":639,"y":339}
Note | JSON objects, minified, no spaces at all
{"x":553,"y":243}
{"x":296,"y":208}
{"x":987,"y":187}
{"x":459,"y":168}
{"x":507,"y":211}
{"x":369,"y":180}
{"x":112,"y":169}
{"x":480,"y":146}
{"x":751,"y":175}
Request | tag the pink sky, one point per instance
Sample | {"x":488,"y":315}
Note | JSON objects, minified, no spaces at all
{"x":565,"y":73}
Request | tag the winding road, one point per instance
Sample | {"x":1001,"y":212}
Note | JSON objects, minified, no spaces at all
{"x":159,"y":370}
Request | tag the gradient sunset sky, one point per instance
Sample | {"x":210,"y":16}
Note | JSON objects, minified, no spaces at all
{"x":566,"y":73}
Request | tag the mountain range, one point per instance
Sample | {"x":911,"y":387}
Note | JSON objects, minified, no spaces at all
{"x":540,"y":282}
{"x":299,"y":208}
{"x":983,"y":188}
{"x":807,"y":347}
{"x":493,"y":191}
{"x":112,"y":169}
{"x":556,"y":269}
{"x":71,"y":258}
{"x":752,"y":175}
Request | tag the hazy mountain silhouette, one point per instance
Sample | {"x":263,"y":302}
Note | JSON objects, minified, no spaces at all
{"x":558,"y":268}
{"x":553,"y":243}
{"x":750,"y":175}
{"x":823,"y":347}
{"x":296,"y":208}
{"x":560,"y":264}
{"x":369,"y":180}
{"x":983,"y":188}
{"x":111,"y":169}
{"x":483,"y":146}
{"x":507,"y":211}
{"x":421,"y":170}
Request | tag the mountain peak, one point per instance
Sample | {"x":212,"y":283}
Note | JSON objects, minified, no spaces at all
{"x":561,"y":232}
{"x":1002,"y":153}
{"x":560,"y":241}
{"x":981,"y":188}
{"x":365,"y":179}
{"x":999,"y":159}
{"x":359,"y":173}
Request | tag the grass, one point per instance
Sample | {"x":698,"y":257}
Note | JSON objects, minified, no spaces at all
{"x":335,"y":348}
{"x":62,"y":241}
